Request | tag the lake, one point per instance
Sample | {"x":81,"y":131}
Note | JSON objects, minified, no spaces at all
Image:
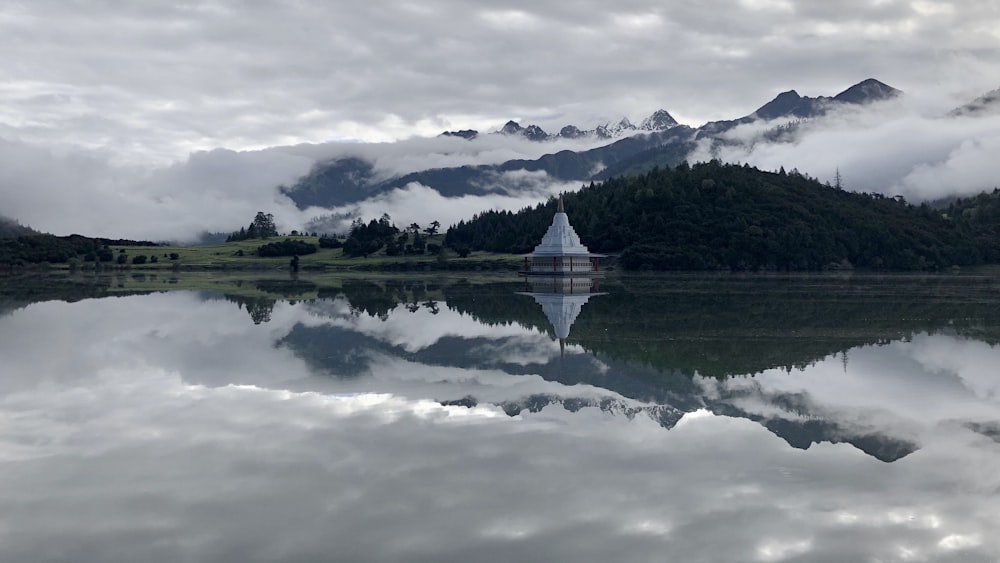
{"x":635,"y":418}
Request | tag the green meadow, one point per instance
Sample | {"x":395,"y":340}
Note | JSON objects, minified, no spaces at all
{"x":242,"y":255}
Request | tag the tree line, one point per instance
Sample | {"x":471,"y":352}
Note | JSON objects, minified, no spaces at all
{"x":714,"y":216}
{"x":262,"y":226}
{"x":368,"y":238}
{"x":39,"y":248}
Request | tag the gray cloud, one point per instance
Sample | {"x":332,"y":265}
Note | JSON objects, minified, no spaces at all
{"x":156,"y":82}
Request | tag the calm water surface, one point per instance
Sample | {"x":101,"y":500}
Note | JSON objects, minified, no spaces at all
{"x":646,"y":419}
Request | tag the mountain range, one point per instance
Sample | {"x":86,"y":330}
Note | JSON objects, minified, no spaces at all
{"x":659,"y":140}
{"x":660,"y":120}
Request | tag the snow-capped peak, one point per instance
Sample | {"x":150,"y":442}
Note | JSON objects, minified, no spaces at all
{"x":659,"y":121}
{"x":615,"y":130}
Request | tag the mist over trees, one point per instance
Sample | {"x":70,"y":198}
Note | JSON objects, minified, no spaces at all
{"x":715,"y":216}
{"x":10,"y":228}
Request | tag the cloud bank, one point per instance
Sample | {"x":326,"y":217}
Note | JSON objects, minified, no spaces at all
{"x":891,"y":148}
{"x":221,"y":190}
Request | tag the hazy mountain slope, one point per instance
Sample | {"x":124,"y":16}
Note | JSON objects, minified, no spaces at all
{"x":866,"y":92}
{"x":791,"y":105}
{"x":9,"y":228}
{"x":350,"y":180}
{"x":334,"y":182}
{"x":987,"y":104}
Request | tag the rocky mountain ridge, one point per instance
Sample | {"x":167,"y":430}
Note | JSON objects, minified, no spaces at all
{"x":790,"y":104}
{"x":660,"y":120}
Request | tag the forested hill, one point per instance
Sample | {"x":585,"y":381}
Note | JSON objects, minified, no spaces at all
{"x":10,"y":228}
{"x":718,"y":216}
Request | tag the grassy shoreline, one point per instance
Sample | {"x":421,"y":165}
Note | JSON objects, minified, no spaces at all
{"x":242,"y":256}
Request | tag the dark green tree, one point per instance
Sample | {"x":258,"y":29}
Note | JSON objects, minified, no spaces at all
{"x":366,"y":239}
{"x":263,"y":225}
{"x":287,"y":247}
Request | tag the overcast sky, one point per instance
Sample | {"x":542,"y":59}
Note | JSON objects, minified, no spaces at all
{"x":112,"y":89}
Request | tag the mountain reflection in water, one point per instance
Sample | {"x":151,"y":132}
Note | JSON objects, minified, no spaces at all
{"x":408,"y":419}
{"x":615,"y":383}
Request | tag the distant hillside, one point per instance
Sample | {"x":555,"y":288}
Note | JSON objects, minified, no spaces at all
{"x":9,"y":228}
{"x":39,"y":248}
{"x":715,"y":216}
{"x":987,"y":104}
{"x":352,"y":179}
{"x":978,"y":217}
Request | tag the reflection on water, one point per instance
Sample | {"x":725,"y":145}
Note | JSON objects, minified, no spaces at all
{"x":562,"y":299}
{"x":812,"y":419}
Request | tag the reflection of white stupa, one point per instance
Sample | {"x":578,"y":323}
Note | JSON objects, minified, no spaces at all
{"x":562,"y":299}
{"x":561,"y":253}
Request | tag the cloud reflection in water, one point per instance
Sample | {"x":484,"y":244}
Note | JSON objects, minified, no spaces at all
{"x":170,"y":428}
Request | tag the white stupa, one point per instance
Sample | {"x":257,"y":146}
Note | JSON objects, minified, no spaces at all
{"x":561,"y":253}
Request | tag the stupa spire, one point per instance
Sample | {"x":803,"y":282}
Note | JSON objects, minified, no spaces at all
{"x":560,"y":209}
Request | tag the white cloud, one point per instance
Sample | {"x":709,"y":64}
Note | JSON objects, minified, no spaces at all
{"x":946,"y":379}
{"x":889,"y":148}
{"x":421,"y":329}
{"x":86,"y":194}
{"x":422,"y":153}
{"x":420,"y":204}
